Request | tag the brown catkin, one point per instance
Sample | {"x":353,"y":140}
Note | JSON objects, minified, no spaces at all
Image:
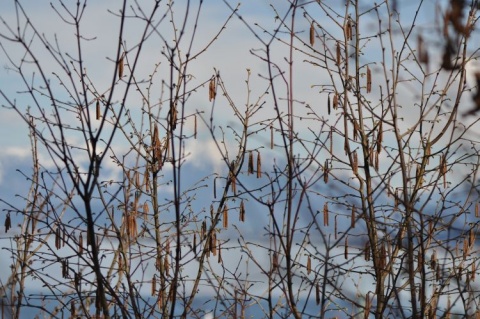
{"x":259,"y":165}
{"x":353,"y":217}
{"x":335,"y":100}
{"x":204,"y":230}
{"x":325,"y":214}
{"x":233,"y":180}
{"x":309,"y":265}
{"x":275,"y":260}
{"x":154,"y":285}
{"x":355,"y":162}
{"x":8,"y":222}
{"x":348,"y":30}
{"x":477,"y":210}
{"x":195,"y":127}
{"x":212,"y":89}
{"x":380,"y":137}
{"x":213,"y":243}
{"x":346,"y":248}
{"x":146,"y":180}
{"x":194,"y":243}
{"x":328,"y":105}
{"x":367,"y":251}
{"x":369,"y":80}
{"x":325,"y":172}
{"x":241,"y":216}
{"x":250,"y":163}
{"x":97,"y":108}
{"x":330,"y":137}
{"x":271,"y":137}
{"x":146,"y":210}
{"x":120,"y":66}
{"x":312,"y":34}
{"x":215,"y":187}
{"x":339,"y":54}
{"x":219,"y":260}
{"x":80,"y":244}
{"x":225,"y":216}
{"x":317,"y":294}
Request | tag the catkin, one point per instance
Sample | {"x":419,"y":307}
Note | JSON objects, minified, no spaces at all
{"x":195,"y":127}
{"x":8,"y":222}
{"x":348,"y":30}
{"x":369,"y":80}
{"x":339,"y":54}
{"x":120,"y":66}
{"x":328,"y":105}
{"x":97,"y":107}
{"x":309,"y":265}
{"x":212,"y":89}
{"x":325,"y":172}
{"x":352,"y":218}
{"x":271,"y":137}
{"x":312,"y":35}
{"x":80,"y":244}
{"x":242,"y":212}
{"x":259,"y":165}
{"x":250,"y":163}
{"x":335,"y":100}
{"x":154,"y":285}
{"x":225,"y":216}
{"x":380,"y":136}
{"x":346,"y":248}
{"x":325,"y":214}
{"x":355,"y":162}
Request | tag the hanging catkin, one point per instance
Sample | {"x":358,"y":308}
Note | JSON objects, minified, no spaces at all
{"x":120,"y":66}
{"x":312,"y":35}
{"x":369,"y":80}
{"x":259,"y":165}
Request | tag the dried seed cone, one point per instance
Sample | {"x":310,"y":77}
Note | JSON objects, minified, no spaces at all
{"x":312,"y":34}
